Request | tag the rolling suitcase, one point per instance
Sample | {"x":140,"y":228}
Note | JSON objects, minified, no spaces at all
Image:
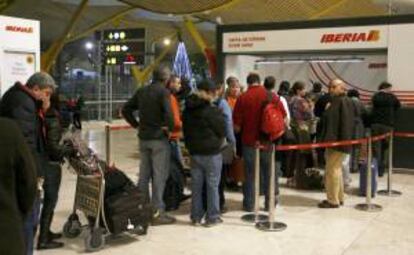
{"x":363,"y":178}
{"x":128,"y":210}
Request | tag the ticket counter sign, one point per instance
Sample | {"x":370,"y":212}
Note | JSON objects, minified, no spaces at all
{"x":337,"y":38}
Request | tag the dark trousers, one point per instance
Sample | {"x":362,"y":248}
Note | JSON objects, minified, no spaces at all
{"x":174,"y":189}
{"x":287,"y":158}
{"x":380,"y":148}
{"x":77,"y":120}
{"x":355,"y":155}
{"x":30,"y":227}
{"x":51,"y":186}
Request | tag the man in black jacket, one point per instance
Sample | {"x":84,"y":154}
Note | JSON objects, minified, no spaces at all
{"x":337,"y":125}
{"x":204,"y":131}
{"x":17,"y":187}
{"x":384,"y":109}
{"x":23,"y":104}
{"x":53,"y":172}
{"x":155,"y":124}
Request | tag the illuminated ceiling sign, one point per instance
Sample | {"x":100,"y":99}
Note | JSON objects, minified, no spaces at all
{"x":112,"y":35}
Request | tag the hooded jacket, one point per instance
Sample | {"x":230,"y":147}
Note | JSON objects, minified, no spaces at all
{"x":203,"y":126}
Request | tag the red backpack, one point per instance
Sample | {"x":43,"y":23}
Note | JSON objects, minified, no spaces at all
{"x":273,"y":119}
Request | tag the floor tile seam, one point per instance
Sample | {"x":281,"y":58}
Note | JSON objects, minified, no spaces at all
{"x":362,"y":232}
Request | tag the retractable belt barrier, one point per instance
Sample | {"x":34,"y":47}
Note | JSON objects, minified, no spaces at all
{"x":331,"y":144}
{"x":404,"y":134}
{"x":267,"y":223}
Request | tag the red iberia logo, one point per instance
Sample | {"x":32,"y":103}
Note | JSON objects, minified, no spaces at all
{"x":28,"y":30}
{"x":371,"y":36}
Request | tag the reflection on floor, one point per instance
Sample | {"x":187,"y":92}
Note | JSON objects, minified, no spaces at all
{"x":310,"y":230}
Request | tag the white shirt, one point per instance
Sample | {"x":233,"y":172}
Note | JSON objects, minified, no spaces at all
{"x":286,"y":107}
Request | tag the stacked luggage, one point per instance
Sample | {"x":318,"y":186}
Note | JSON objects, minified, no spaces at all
{"x":108,"y":198}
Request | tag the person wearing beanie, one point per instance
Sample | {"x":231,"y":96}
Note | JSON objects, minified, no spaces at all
{"x":204,"y":132}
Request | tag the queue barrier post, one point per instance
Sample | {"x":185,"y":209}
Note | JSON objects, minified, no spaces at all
{"x":271,"y":225}
{"x":256,"y":216}
{"x":108,"y":144}
{"x":389,"y":191}
{"x":369,"y":206}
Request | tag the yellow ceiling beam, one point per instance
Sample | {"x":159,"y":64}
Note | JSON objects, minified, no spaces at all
{"x":192,"y":29}
{"x":328,"y":10}
{"x":49,"y":57}
{"x":142,"y":76}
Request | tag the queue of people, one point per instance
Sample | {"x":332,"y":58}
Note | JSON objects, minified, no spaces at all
{"x":217,"y":125}
{"x":209,"y":134}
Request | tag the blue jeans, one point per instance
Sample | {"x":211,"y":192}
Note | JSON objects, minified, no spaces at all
{"x":205,"y":169}
{"x":155,"y":165}
{"x":30,"y":227}
{"x":248,"y":185}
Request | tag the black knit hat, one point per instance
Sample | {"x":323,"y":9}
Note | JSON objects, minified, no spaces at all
{"x":207,"y":85}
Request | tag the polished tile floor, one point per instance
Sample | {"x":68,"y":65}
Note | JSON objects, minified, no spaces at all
{"x":310,"y":230}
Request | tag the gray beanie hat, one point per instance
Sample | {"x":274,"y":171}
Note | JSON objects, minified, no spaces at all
{"x":41,"y":79}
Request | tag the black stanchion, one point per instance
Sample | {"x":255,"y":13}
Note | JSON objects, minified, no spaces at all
{"x":271,"y":225}
{"x":389,"y":191}
{"x":256,"y":216}
{"x":368,"y":206}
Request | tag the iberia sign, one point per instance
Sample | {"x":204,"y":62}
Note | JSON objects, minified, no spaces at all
{"x":294,"y":40}
{"x":371,"y":36}
{"x":20,"y":29}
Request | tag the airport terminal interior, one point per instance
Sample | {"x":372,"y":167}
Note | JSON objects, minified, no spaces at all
{"x":93,"y":55}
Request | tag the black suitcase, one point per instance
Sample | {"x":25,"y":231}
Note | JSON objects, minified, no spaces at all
{"x":128,"y":210}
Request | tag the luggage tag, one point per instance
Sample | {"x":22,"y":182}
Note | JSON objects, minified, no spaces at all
{"x":130,"y":226}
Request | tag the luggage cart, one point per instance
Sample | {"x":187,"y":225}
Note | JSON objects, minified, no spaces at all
{"x":89,"y":197}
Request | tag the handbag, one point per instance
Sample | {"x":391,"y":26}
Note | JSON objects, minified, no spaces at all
{"x":236,"y":171}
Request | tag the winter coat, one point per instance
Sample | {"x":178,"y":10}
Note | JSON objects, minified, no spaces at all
{"x":54,"y":132}
{"x":384,"y":108}
{"x":17,"y":187}
{"x":154,"y":111}
{"x":203,"y":125}
{"x":338,"y":122}
{"x":19,"y":104}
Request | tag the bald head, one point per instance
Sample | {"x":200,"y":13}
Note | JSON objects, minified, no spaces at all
{"x":337,"y":87}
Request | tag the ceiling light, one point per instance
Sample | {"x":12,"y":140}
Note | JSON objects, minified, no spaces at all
{"x":167,"y":41}
{"x":89,"y":45}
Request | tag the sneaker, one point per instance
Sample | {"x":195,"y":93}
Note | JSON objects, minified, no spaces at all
{"x":53,"y":236}
{"x":184,"y":197}
{"x":196,"y":223}
{"x":212,"y":223}
{"x":247,"y":209}
{"x":327,"y":205}
{"x":48,"y":245}
{"x":163,"y":219}
{"x":341,"y":203}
